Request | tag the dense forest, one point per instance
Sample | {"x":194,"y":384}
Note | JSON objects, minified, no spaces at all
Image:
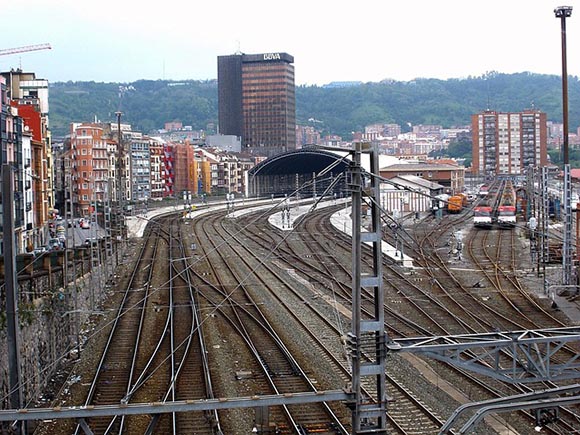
{"x":148,"y":105}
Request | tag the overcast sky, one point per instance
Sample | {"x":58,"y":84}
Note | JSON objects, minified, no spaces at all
{"x":126,"y":40}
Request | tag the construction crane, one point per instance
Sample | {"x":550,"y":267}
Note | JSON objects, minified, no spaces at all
{"x":26,"y":48}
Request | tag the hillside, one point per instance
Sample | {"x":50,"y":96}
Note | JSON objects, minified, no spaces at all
{"x":147,"y":104}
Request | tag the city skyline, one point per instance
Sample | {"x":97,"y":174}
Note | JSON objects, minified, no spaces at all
{"x":372,"y":42}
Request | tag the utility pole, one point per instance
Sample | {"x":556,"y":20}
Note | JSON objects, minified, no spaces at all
{"x":564,"y":12}
{"x":11,"y":285}
{"x":71,"y":190}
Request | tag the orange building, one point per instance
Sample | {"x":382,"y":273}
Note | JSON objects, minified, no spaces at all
{"x":90,"y":168}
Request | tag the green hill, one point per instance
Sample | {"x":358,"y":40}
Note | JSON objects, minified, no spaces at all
{"x":147,"y":104}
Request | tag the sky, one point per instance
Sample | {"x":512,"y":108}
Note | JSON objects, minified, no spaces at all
{"x":369,"y":41}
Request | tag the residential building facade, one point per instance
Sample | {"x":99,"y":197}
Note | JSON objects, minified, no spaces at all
{"x":90,"y":174}
{"x":508,"y":142}
{"x":157,"y":168}
{"x":25,"y":142}
{"x":140,"y":167}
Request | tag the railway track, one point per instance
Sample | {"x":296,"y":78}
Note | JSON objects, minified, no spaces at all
{"x":514,"y":306}
{"x":114,"y":371}
{"x":281,"y":371}
{"x":257,"y":311}
{"x":155,"y":349}
{"x":476,"y":305}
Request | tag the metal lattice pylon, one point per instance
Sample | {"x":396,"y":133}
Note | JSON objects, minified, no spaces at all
{"x":367,"y":336}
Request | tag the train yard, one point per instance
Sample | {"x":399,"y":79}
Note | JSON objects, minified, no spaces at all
{"x":221,"y":306}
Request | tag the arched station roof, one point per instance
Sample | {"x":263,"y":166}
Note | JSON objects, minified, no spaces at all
{"x":304,"y":161}
{"x":286,"y":172}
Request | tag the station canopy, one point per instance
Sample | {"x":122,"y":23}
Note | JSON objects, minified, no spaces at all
{"x":297,"y":172}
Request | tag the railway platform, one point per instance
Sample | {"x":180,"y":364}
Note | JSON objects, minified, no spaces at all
{"x":282,"y":219}
{"x":341,"y":220}
{"x":561,"y":297}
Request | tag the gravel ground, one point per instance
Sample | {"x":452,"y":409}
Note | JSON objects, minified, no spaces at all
{"x":225,"y":360}
{"x":69,"y":388}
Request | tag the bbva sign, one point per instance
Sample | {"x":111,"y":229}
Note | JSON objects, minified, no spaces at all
{"x":272,"y":56}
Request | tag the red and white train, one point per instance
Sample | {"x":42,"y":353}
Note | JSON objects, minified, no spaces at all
{"x":497,"y":206}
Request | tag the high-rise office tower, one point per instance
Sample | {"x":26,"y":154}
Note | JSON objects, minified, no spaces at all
{"x":507,"y":143}
{"x":257,"y":101}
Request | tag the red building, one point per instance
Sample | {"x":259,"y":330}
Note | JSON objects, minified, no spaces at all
{"x":168,"y":170}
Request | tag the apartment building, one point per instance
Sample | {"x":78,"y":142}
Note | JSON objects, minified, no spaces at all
{"x":140,"y":167}
{"x":306,"y":135}
{"x":25,"y":143}
{"x":157,"y":168}
{"x":29,"y":95}
{"x":90,"y":167}
{"x":508,"y":142}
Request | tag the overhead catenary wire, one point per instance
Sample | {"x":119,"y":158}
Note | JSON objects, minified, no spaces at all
{"x":271,"y":252}
{"x":268,"y":211}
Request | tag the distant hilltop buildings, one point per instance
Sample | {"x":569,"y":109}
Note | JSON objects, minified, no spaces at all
{"x":346,"y":84}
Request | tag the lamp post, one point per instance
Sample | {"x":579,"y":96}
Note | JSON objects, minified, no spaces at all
{"x":563,"y":12}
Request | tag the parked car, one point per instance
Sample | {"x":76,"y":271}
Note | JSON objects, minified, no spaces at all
{"x":92,"y":241}
{"x":54,"y":245}
{"x":39,"y":250}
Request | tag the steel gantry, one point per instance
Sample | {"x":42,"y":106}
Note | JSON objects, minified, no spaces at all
{"x":531,"y":353}
{"x":544,"y":403}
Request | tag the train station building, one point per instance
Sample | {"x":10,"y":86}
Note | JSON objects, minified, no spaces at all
{"x":295,"y":173}
{"x":299,"y":172}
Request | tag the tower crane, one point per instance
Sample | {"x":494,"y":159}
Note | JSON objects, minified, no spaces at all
{"x":26,"y":48}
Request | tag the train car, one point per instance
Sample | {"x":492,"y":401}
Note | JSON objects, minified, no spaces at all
{"x":506,"y":216}
{"x":505,"y":213}
{"x":483,"y":191}
{"x":482,"y":216}
{"x":455,"y":204}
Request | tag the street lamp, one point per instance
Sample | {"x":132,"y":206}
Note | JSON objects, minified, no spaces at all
{"x":564,"y":12}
